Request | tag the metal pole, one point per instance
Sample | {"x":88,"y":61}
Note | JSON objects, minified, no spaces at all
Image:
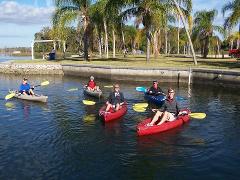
{"x":32,"y":45}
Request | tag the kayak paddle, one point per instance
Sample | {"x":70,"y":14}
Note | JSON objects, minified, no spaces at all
{"x":143,"y":105}
{"x":141,"y":89}
{"x":9,"y":96}
{"x":197,"y":115}
{"x":45,"y":83}
{"x":89,"y":103}
{"x":72,"y":89}
{"x":192,"y":115}
{"x":139,"y":109}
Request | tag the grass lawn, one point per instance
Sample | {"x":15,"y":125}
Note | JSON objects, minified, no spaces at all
{"x":140,"y":61}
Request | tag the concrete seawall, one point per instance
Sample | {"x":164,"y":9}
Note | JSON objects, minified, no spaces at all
{"x":195,"y":75}
{"x":127,"y":73}
{"x":20,"y":68}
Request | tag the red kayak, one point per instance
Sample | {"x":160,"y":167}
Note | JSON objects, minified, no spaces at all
{"x":112,"y":115}
{"x":143,"y":129}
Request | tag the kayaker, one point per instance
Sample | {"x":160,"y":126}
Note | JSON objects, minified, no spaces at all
{"x":92,"y":86}
{"x":168,"y":112}
{"x":155,"y":89}
{"x":25,"y":88}
{"x":116,"y":99}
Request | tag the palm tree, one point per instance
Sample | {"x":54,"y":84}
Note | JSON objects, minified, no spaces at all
{"x":187,"y":9}
{"x":234,"y":16}
{"x":68,"y":11}
{"x":188,"y":4}
{"x":203,"y":28}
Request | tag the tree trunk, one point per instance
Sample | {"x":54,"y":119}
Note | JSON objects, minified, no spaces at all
{"x":231,"y":44}
{"x":166,"y":40}
{"x":159,"y":42}
{"x":114,"y":44}
{"x":85,"y":37}
{"x":106,"y":38}
{"x":155,"y":41}
{"x":206,"y":47}
{"x":218,"y":49}
{"x":123,"y":40}
{"x":238,"y":43}
{"x":148,"y":45}
{"x":178,"y":34}
{"x":100,"y":44}
{"x":188,"y":35}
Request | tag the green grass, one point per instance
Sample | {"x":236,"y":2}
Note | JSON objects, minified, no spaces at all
{"x":140,"y":61}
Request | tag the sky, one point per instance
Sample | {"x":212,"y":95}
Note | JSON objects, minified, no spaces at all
{"x":21,"y":19}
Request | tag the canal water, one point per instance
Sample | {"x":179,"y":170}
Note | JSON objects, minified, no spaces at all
{"x":5,"y":58}
{"x":64,"y":139}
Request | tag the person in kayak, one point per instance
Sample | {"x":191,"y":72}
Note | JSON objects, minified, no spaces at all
{"x":169,"y":110}
{"x":116,"y":99}
{"x":92,"y":86}
{"x":25,"y":88}
{"x":155,"y":89}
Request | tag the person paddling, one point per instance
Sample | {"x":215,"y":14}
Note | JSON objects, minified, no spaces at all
{"x":25,"y":88}
{"x":92,"y":86}
{"x":168,"y":112}
{"x":116,"y":99}
{"x":155,"y":90}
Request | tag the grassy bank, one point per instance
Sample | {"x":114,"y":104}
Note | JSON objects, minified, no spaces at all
{"x":140,"y":61}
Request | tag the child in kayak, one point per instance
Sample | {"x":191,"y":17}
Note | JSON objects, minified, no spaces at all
{"x":92,"y":86}
{"x":168,"y":112}
{"x":116,"y":99}
{"x":25,"y":88}
{"x":155,"y":89}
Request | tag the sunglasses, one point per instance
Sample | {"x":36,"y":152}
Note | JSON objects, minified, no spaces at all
{"x":116,"y":87}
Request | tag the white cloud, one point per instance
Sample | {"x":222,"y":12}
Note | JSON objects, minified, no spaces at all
{"x":15,"y":13}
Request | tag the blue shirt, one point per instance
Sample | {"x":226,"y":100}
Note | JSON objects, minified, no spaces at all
{"x":24,"y":87}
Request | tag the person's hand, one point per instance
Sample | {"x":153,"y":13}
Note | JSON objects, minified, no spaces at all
{"x":154,"y":110}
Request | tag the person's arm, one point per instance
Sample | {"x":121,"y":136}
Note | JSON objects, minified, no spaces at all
{"x":122,"y":98}
{"x":160,"y":91}
{"x":163,"y":108}
{"x":177,"y":108}
{"x":21,"y":88}
{"x":109,"y":99}
{"x":150,"y":90}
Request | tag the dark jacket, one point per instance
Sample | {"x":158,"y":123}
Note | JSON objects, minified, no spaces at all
{"x":171,"y":106}
{"x":115,"y":97}
{"x":155,"y":92}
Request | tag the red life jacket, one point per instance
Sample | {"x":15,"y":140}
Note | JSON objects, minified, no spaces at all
{"x":91,"y":84}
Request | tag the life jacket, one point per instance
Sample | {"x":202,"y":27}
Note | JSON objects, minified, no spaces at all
{"x":91,"y":84}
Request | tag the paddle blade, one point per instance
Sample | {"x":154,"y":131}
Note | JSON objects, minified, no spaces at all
{"x":139,"y":109}
{"x":197,"y":115}
{"x":45,"y":83}
{"x":87,"y":102}
{"x":111,"y":86}
{"x":9,"y":96}
{"x":143,"y":105}
{"x":141,"y":89}
{"x":72,"y":89}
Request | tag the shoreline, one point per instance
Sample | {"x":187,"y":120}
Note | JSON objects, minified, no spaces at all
{"x":164,"y":74}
